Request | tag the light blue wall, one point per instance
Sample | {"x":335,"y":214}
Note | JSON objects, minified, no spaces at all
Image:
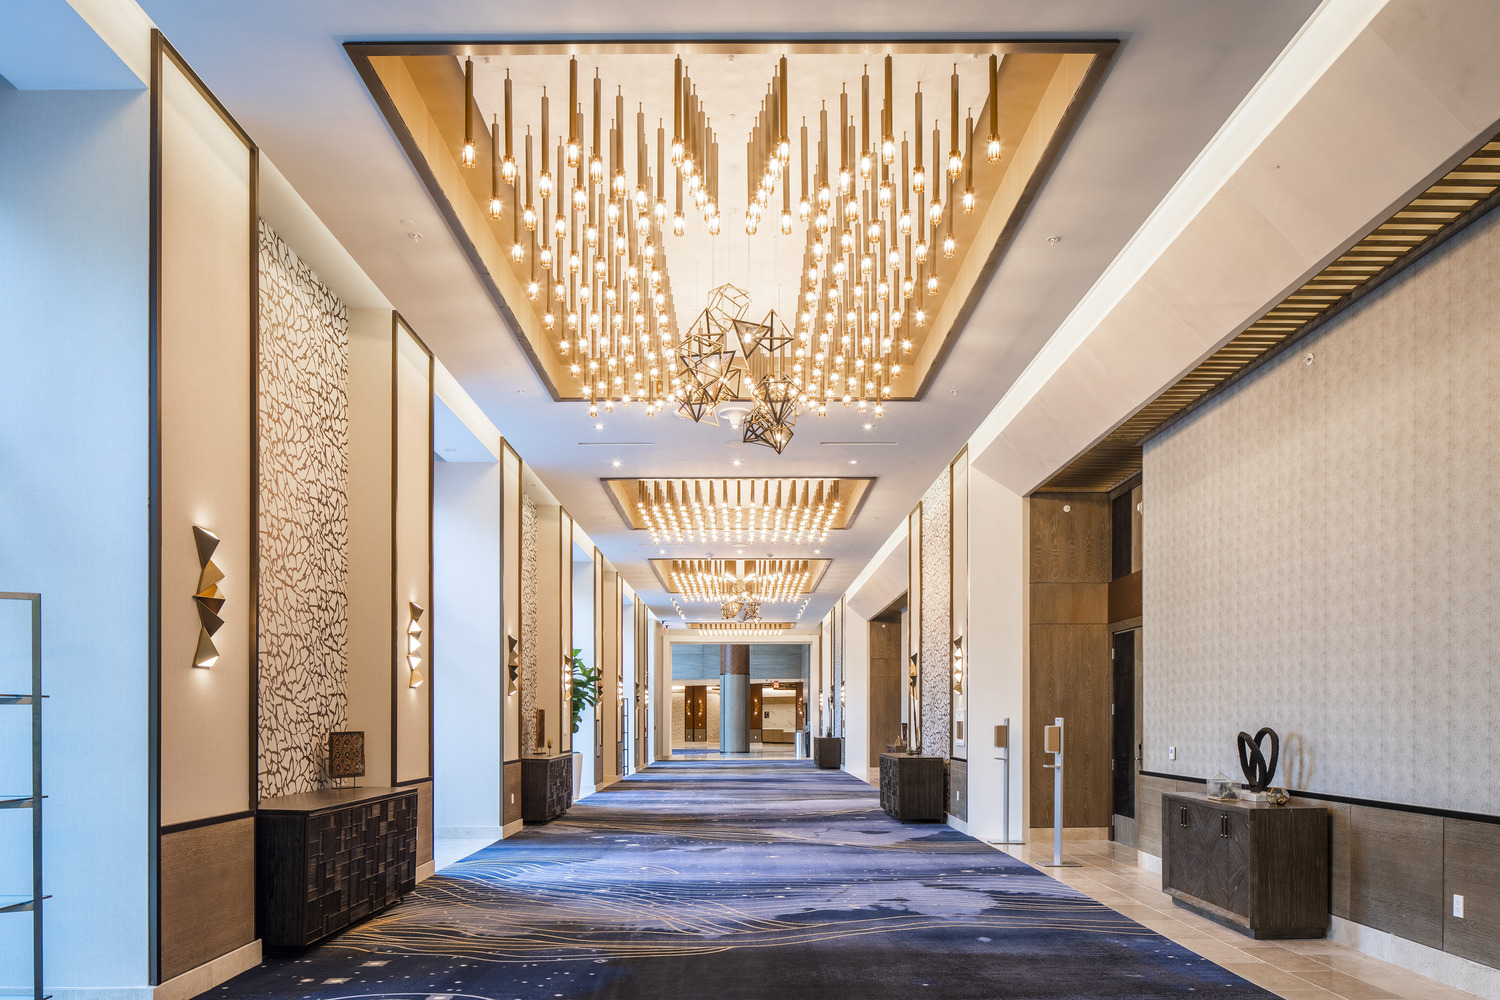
{"x":74,"y":403}
{"x":466,"y":671}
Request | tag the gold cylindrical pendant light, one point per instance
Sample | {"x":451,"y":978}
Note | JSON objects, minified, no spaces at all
{"x":955,"y":157}
{"x":495,"y":204}
{"x":468,"y":150}
{"x":508,"y":164}
{"x":969,"y":165}
{"x":994,"y":142}
{"x":572,"y":150}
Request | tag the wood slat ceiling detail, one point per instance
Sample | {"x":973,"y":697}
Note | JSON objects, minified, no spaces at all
{"x":1445,"y":207}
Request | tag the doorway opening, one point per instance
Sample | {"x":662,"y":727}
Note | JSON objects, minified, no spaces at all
{"x":775,"y":712}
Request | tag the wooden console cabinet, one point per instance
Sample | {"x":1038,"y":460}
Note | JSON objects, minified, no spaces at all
{"x":326,"y":860}
{"x":1257,"y":868}
{"x":546,"y":787}
{"x":828,"y":752}
{"x":911,"y":788}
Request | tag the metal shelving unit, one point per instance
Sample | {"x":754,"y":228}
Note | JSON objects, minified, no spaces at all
{"x":16,"y":799}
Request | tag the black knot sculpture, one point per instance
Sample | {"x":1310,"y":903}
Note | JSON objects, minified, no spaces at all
{"x":1258,"y":771}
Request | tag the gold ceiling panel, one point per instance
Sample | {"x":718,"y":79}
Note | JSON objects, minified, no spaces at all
{"x":714,"y":581}
{"x":740,"y":628}
{"x":738,"y":511}
{"x":1444,"y":208}
{"x":592,"y":325}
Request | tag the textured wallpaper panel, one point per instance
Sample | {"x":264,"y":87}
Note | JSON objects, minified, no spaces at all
{"x":937,"y":677}
{"x":528,"y":625}
{"x":304,"y":477}
{"x":1322,"y":557}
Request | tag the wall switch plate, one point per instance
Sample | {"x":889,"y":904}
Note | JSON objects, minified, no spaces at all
{"x":1171,"y":753}
{"x":1458,"y":905}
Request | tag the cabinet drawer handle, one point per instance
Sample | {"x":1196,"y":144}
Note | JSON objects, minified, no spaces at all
{"x":1224,"y":825}
{"x":1182,"y":816}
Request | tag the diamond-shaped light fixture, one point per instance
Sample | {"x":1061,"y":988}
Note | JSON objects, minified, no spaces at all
{"x":209,"y":598}
{"x":414,"y":645}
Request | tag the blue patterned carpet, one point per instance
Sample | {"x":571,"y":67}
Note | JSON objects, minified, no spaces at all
{"x":726,"y":880}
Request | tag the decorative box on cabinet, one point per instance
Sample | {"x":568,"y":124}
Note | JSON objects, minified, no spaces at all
{"x":1257,"y":868}
{"x":546,"y":787}
{"x":326,"y":860}
{"x":911,"y":788}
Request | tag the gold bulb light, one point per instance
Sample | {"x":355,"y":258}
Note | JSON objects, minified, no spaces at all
{"x":508,"y":169}
{"x":572,"y":147}
{"x":496,"y":206}
{"x":467,"y":155}
{"x":955,"y":157}
{"x":969,"y":168}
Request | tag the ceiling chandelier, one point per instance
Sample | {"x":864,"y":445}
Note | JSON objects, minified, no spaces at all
{"x":877,"y":200}
{"x":738,"y":511}
{"x":740,"y":628}
{"x":741,"y":587}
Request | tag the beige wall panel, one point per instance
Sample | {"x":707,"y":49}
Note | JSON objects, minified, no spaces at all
{"x":995,"y":658}
{"x":607,"y":614}
{"x":510,"y":595}
{"x":207,"y":894}
{"x":371,"y":621}
{"x":547,"y":642}
{"x":205,"y":399}
{"x":412,"y":545}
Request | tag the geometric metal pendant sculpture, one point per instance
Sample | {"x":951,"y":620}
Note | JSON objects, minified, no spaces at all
{"x":770,"y":336}
{"x":209,"y":598}
{"x":770,"y":423}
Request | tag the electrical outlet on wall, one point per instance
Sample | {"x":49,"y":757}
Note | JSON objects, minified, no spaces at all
{"x":1458,"y":905}
{"x":1171,"y":753}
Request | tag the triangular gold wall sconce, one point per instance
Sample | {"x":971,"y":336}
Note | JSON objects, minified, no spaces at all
{"x":209,"y":599}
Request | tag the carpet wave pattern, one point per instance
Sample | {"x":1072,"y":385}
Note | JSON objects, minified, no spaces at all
{"x":725,"y":879}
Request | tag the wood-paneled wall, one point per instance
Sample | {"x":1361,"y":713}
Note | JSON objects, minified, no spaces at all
{"x":207,"y":893}
{"x":1069,"y":570}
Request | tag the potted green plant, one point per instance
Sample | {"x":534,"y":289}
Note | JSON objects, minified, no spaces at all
{"x":585,"y":687}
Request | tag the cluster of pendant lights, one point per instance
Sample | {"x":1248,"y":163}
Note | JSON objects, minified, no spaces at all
{"x":880,"y":208}
{"x":773,"y":581}
{"x":739,"y":511}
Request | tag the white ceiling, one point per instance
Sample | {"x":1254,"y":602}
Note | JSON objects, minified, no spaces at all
{"x":1182,"y":69}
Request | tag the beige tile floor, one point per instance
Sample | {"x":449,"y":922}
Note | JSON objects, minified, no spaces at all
{"x":1296,"y":970}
